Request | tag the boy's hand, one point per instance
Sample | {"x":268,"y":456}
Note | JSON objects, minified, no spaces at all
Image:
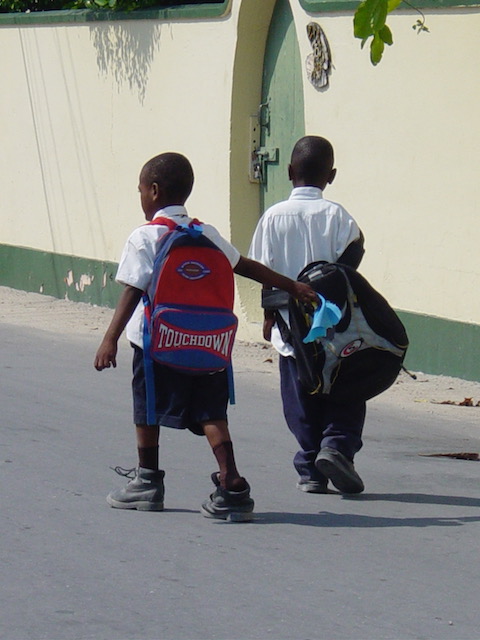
{"x":303,"y":292}
{"x":107,"y":351}
{"x":106,"y":355}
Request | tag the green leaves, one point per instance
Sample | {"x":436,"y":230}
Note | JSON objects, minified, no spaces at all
{"x":370,"y":22}
{"x":369,"y":17}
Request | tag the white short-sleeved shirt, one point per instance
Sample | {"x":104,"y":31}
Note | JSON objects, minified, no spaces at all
{"x":297,"y":231}
{"x":136,"y":263}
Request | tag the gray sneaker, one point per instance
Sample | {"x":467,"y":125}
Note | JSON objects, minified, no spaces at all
{"x":235,"y":506}
{"x":144,"y":492}
{"x":339,"y":470}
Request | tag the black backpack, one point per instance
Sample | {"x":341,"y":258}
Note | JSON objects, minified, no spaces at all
{"x":362,"y":355}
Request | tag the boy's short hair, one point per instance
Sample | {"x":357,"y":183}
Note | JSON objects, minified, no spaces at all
{"x":312,"y":156}
{"x":172,"y":172}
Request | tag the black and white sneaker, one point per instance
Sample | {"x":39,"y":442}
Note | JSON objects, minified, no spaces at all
{"x":144,"y":492}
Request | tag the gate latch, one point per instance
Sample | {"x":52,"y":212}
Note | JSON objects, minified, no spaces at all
{"x":260,"y":156}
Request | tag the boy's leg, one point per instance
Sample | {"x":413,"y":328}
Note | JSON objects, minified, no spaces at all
{"x":304,"y":420}
{"x":218,"y":436}
{"x":342,"y":439}
{"x":231,"y":498}
{"x":343,"y":427}
{"x":146,"y":490}
{"x":147,"y":445}
{"x":330,"y":434}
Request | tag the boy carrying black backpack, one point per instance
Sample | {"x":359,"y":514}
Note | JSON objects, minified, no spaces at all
{"x":292,"y":234}
{"x":189,"y":382}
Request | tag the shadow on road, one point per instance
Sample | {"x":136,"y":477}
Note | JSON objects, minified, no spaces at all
{"x":418,"y":498}
{"x":326,"y":519}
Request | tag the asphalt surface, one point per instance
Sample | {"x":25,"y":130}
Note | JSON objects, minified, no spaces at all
{"x":400,"y":561}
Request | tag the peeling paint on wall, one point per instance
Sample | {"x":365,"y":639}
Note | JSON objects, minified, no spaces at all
{"x":85,"y":281}
{"x":69,"y":279}
{"x":54,"y":275}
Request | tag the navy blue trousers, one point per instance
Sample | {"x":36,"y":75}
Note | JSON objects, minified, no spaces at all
{"x":317,"y":422}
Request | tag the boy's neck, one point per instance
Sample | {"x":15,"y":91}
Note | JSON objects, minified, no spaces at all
{"x":159,"y":206}
{"x":302,"y":183}
{"x":164,"y":205}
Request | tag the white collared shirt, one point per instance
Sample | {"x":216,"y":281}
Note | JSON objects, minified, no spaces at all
{"x":303,"y":229}
{"x":136,"y":263}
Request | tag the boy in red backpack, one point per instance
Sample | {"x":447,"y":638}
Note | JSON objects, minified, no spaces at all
{"x":198,"y":403}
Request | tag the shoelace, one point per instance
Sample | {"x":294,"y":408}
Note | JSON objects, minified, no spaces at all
{"x":127,"y":473}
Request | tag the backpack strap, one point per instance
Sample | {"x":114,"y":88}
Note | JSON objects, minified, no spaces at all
{"x":148,"y":364}
{"x":172,"y":225}
{"x":167,"y":222}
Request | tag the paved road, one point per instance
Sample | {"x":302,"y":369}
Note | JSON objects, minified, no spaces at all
{"x":400,"y":561}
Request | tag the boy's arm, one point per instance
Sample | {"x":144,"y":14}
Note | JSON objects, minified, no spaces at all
{"x":259,"y":272}
{"x":107,"y":351}
{"x":353,"y":254}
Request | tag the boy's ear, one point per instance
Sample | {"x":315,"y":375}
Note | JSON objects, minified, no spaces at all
{"x":290,"y":173}
{"x":332,"y":175}
{"x":155,"y":189}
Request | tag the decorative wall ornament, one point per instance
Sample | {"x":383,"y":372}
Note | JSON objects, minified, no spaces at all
{"x":319,"y":63}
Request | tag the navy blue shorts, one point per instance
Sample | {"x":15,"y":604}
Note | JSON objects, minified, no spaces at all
{"x":182,"y":401}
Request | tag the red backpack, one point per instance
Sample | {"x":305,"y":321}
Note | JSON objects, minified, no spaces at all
{"x":189,"y":320}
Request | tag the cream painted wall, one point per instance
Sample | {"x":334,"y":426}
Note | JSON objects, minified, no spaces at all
{"x":84,"y":106}
{"x":87,"y":105}
{"x":407,"y":142}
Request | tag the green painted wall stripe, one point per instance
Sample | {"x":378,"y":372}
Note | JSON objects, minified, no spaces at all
{"x":204,"y":10}
{"x":61,"y":276}
{"x":437,"y":346}
{"x":442,"y":347}
{"x":325,"y":6}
